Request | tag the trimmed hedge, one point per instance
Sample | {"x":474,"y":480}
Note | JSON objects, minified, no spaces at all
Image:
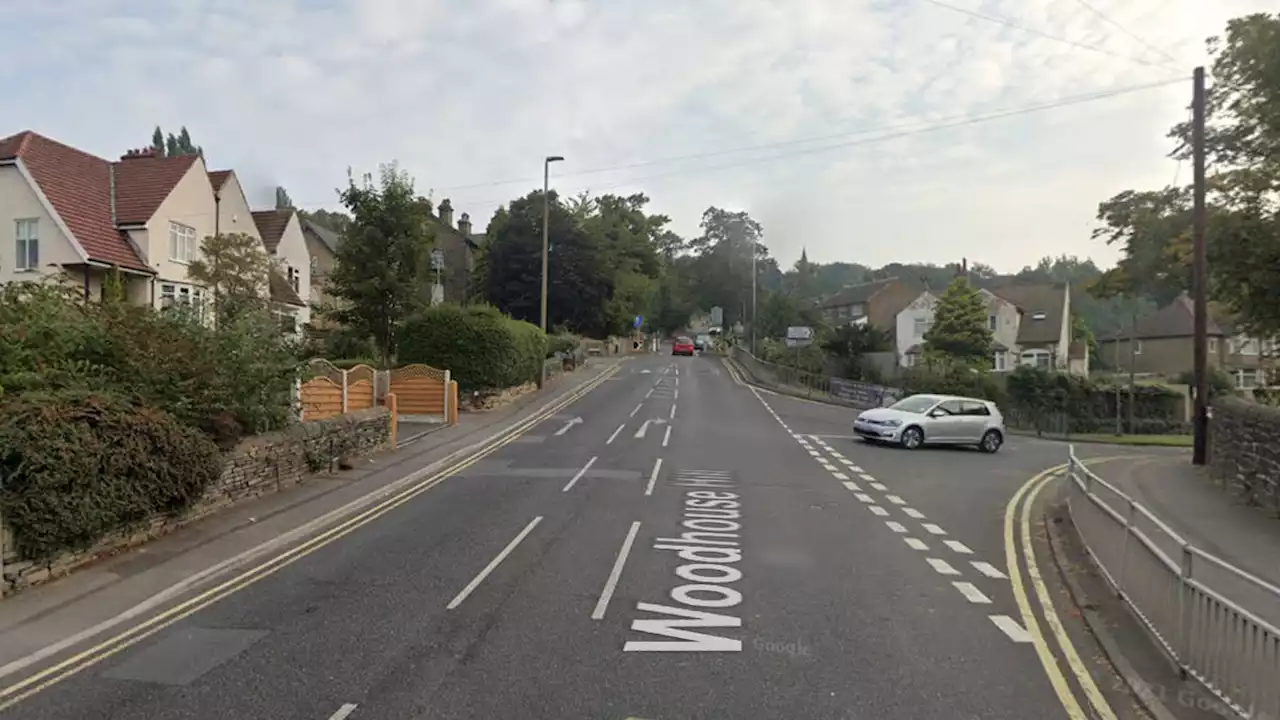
{"x":79,"y":465}
{"x":482,"y":348}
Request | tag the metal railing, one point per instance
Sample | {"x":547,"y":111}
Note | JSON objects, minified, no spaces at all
{"x":1218,"y":623}
{"x":794,"y":381}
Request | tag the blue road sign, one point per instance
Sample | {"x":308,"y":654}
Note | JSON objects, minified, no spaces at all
{"x":639,"y":322}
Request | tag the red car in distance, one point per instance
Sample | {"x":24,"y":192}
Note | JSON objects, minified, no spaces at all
{"x":682,"y":346}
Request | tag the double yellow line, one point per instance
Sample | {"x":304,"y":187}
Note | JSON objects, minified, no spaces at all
{"x":1018,"y":512}
{"x":25,"y":688}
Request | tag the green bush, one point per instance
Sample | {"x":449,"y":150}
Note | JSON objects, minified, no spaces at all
{"x":348,"y":363}
{"x":562,"y":343}
{"x":482,"y":348}
{"x":952,"y":379}
{"x":79,"y":465}
{"x":1040,"y":392}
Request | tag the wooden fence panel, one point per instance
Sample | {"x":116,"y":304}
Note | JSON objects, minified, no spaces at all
{"x":419,"y":390}
{"x":359,"y":395}
{"x":321,"y":398}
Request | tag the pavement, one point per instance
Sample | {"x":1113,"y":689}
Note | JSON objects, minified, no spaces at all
{"x":672,"y":544}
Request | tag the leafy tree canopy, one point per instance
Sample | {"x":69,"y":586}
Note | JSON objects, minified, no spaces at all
{"x":960,"y":331}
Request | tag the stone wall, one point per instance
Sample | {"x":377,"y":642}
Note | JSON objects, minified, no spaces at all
{"x":257,"y":466}
{"x":1244,"y":450}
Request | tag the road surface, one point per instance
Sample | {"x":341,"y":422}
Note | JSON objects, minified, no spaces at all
{"x":673,"y":545}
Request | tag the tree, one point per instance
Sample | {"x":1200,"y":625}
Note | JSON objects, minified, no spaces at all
{"x":283,"y":201}
{"x":724,"y":260}
{"x":1242,"y":143}
{"x":235,"y":268}
{"x":580,"y":282}
{"x":380,"y":262}
{"x":960,"y":331}
{"x":850,"y":343}
{"x":174,"y":145}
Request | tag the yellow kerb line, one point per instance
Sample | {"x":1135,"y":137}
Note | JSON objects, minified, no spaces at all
{"x":37,"y":682}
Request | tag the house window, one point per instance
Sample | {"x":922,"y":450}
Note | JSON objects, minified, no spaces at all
{"x":857,"y":310}
{"x":1213,"y":345}
{"x":288,"y":322}
{"x":294,"y":278}
{"x":182,"y":243}
{"x":1247,"y":378}
{"x":1038,"y":358}
{"x":1249,"y":346}
{"x":909,"y":359}
{"x":1137,"y":347}
{"x":922,"y":325}
{"x":172,"y":294}
{"x":27,"y":233}
{"x":168,"y":295}
{"x":1000,"y":363}
{"x":993,"y":322}
{"x":1039,"y":315}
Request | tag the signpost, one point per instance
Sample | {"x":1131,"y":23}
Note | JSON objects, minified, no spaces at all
{"x":799,"y":336}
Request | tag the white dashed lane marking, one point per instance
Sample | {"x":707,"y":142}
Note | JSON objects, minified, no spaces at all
{"x":970,"y":591}
{"x":942,"y":566}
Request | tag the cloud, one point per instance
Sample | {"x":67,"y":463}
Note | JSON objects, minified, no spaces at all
{"x":466,"y":95}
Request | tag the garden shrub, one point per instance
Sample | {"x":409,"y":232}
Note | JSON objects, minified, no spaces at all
{"x":562,"y":343}
{"x":482,"y":348}
{"x":79,"y":465}
{"x":1091,"y":405}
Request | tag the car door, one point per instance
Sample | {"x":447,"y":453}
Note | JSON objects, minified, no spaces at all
{"x":974,"y":416}
{"x":946,"y":423}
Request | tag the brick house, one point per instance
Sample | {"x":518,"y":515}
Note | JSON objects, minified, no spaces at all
{"x":459,"y":246}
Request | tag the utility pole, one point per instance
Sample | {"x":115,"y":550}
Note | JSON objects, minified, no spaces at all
{"x":1200,"y":273}
{"x":1119,"y":427}
{"x":753,"y":297}
{"x":1133,"y":360}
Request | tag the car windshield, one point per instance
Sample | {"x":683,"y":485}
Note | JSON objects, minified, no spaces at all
{"x":683,"y":341}
{"x":915,"y":403}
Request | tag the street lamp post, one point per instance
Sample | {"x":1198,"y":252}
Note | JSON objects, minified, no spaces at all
{"x":546,"y":220}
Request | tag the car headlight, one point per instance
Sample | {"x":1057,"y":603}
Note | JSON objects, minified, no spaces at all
{"x":893,"y":423}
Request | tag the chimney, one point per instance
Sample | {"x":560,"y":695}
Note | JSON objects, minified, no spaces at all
{"x":464,"y":224}
{"x":446,"y":212}
{"x":139,"y":153}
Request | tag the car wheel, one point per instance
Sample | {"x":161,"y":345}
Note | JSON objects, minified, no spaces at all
{"x":912,"y":438}
{"x":991,"y":441}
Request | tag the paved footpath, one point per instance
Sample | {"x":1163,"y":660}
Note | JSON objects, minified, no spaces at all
{"x":672,"y":545}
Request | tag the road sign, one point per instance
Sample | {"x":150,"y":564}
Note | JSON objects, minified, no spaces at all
{"x":717,"y":316}
{"x":638,"y":322}
{"x":799,"y":332}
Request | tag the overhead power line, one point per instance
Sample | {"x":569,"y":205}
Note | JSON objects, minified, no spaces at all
{"x":1107,"y":19}
{"x":1040,"y":33}
{"x":881,"y":134}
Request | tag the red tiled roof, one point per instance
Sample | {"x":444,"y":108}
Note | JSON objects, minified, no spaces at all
{"x":142,"y":183}
{"x":78,"y":186}
{"x":218,"y":178}
{"x":271,"y":225}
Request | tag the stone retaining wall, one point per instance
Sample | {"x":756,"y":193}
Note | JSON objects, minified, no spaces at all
{"x":257,"y":466}
{"x":1244,"y":450}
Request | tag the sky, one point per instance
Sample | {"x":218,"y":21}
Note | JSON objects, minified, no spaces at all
{"x":868,"y":131}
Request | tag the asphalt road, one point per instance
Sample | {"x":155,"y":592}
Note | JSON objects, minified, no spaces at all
{"x":673,"y":545}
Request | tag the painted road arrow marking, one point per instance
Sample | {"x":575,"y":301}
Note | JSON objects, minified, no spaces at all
{"x":569,"y":425}
{"x":645,"y":427}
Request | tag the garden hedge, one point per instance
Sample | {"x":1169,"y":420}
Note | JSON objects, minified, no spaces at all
{"x":79,"y":465}
{"x":482,"y":348}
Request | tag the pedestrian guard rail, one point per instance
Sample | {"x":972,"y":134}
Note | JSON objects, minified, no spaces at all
{"x":1218,"y":623}
{"x":794,"y":381}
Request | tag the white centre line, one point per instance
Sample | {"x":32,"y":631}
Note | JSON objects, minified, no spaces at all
{"x":839,"y":476}
{"x":615,"y":434}
{"x":971,"y":593}
{"x":675,"y":394}
{"x":633,"y":412}
{"x":343,"y":712}
{"x":912,"y":512}
{"x":865,"y":498}
{"x":916,"y":544}
{"x":988,"y":569}
{"x":581,"y":472}
{"x":666,"y":436}
{"x":673,"y":411}
{"x":653,"y":476}
{"x":958,"y":546}
{"x":933,"y":529}
{"x":896,"y":526}
{"x":852,"y":486}
{"x":1011,"y":628}
{"x":896,"y":500}
{"x":877,"y":510}
{"x":942,"y":566}
{"x":615,"y":573}
{"x":648,"y":394}
{"x":475,"y":582}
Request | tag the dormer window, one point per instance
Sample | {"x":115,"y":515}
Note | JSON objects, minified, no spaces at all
{"x":1037,"y":316}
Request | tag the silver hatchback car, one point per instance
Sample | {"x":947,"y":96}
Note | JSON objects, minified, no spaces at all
{"x":934,"y":419}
